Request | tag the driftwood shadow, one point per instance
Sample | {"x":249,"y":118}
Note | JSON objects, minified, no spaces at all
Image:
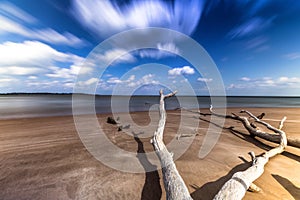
{"x":288,"y":185}
{"x":209,"y":190}
{"x":151,"y":189}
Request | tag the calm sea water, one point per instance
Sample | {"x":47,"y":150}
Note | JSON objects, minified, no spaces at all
{"x":19,"y":106}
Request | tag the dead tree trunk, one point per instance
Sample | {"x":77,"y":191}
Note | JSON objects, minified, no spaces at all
{"x":173,"y":182}
{"x":240,"y":182}
{"x":276,"y":138}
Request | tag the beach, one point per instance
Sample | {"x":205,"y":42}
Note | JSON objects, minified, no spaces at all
{"x":44,"y":158}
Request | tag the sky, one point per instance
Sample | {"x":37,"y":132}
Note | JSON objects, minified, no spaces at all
{"x":254,"y":46}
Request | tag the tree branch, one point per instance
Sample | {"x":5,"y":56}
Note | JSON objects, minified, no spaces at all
{"x":276,"y":138}
{"x":236,"y":187}
{"x":173,"y":182}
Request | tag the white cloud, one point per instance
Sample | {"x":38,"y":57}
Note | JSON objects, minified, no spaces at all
{"x":267,"y":82}
{"x":85,"y":83}
{"x":180,"y":16}
{"x":62,"y":72}
{"x":115,"y":80}
{"x":287,"y":80}
{"x":68,"y":73}
{"x":32,"y":77}
{"x":131,"y":81}
{"x":145,"y":80}
{"x":32,"y":53}
{"x":231,"y":86}
{"x":69,"y":84}
{"x":6,"y":82}
{"x":186,"y":70}
{"x":91,"y":81}
{"x":39,"y":63}
{"x":15,"y":70}
{"x":245,"y":79}
{"x":44,"y":84}
{"x":206,"y":80}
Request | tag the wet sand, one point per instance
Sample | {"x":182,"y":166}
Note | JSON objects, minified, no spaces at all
{"x":43,"y":158}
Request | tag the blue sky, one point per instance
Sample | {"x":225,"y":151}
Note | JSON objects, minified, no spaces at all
{"x":254,"y":44}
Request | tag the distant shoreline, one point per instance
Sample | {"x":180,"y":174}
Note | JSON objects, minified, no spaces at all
{"x":106,"y":95}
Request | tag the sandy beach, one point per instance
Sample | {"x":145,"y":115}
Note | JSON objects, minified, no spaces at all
{"x":43,"y":158}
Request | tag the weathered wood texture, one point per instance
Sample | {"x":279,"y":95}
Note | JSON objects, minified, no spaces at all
{"x":173,"y":182}
{"x":276,"y":138}
{"x":236,"y":187}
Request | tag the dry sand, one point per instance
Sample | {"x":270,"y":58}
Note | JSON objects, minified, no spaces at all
{"x":43,"y":158}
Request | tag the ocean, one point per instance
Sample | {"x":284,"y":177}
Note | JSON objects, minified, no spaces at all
{"x":39,"y":105}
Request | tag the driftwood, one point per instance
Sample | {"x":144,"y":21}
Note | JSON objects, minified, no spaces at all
{"x":236,"y":187}
{"x":174,"y":185}
{"x":252,"y":129}
{"x":240,"y":182}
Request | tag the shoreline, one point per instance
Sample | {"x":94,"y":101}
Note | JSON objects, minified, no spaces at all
{"x":43,"y":158}
{"x":30,"y":116}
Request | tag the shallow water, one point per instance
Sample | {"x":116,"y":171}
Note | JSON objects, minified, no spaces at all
{"x":35,"y":105}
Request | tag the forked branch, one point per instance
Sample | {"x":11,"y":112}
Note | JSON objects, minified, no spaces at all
{"x":240,"y":182}
{"x":276,"y":138}
{"x":173,"y":182}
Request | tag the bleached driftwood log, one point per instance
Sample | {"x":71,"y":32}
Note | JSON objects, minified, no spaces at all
{"x":276,"y":138}
{"x":173,"y":182}
{"x":236,"y":187}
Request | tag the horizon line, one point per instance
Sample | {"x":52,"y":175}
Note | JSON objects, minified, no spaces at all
{"x":70,"y":93}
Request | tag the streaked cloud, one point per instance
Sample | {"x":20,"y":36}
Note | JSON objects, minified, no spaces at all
{"x":169,"y":47}
{"x":251,"y":27}
{"x":256,"y":42}
{"x":292,"y":56}
{"x":11,"y":10}
{"x":11,"y":18}
{"x":114,"y":55}
{"x":182,"y":16}
{"x":163,"y":50}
